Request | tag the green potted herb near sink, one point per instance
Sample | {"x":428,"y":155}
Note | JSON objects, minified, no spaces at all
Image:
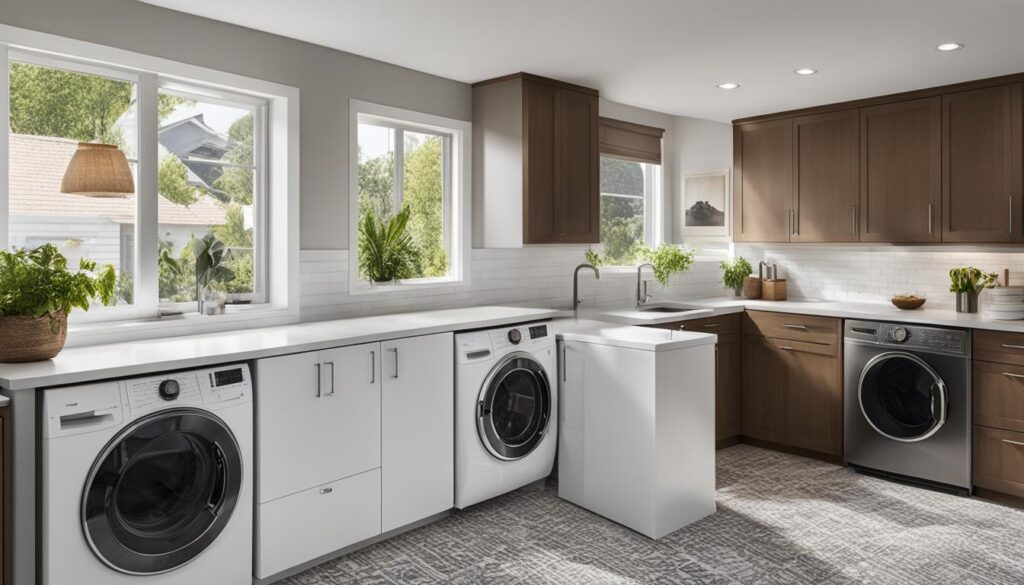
{"x":968,"y":282}
{"x":37,"y":292}
{"x":734,"y":272}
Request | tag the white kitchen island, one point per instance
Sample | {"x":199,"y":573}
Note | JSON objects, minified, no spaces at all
{"x":637,"y":435}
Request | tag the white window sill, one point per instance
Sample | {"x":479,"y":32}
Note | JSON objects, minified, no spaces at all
{"x":237,"y":317}
{"x":361,"y":287}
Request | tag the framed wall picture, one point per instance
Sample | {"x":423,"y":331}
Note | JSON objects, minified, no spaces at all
{"x":706,"y":204}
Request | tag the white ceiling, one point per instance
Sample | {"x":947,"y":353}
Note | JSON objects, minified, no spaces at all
{"x":665,"y":55}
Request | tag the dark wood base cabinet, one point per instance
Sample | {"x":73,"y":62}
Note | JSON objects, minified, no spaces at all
{"x":998,"y":389}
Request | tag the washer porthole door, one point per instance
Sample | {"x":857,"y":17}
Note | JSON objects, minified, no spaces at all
{"x":902,"y":397}
{"x":514,"y":407}
{"x":161,"y":491}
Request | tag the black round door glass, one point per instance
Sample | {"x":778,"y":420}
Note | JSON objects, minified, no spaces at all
{"x":514,"y":408}
{"x":162,"y":491}
{"x":898,"y":397}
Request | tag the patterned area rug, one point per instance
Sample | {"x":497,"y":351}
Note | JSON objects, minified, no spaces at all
{"x":780,"y":519}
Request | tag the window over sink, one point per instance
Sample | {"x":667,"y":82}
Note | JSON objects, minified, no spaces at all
{"x":628,"y":208}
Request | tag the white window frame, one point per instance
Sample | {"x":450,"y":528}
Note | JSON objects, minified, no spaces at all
{"x":281,"y":184}
{"x":653,"y":202}
{"x":456,"y":167}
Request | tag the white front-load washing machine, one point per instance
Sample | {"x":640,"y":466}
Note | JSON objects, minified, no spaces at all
{"x":506,"y":416}
{"x":148,"y":481}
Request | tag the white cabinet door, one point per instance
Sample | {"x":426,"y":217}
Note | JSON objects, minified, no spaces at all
{"x":350,"y":410}
{"x":288,"y":424}
{"x":418,"y":433}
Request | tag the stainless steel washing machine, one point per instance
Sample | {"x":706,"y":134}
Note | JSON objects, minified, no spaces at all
{"x":908,"y":402}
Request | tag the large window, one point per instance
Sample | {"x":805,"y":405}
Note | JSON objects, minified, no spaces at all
{"x":198,"y":156}
{"x":628,"y":190}
{"x":407,"y":165}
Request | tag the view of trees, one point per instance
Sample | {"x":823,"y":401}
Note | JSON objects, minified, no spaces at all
{"x":52,"y":102}
{"x":422,"y":193}
{"x":622,"y":218}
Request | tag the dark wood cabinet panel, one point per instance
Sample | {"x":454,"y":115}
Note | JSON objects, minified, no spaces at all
{"x":826,"y":177}
{"x":999,"y":461}
{"x":728,"y":388}
{"x":579,"y":199}
{"x":998,"y":391}
{"x":812,"y":415}
{"x":763,"y":181}
{"x":823,"y":330}
{"x":901,"y":171}
{"x":763,"y":377}
{"x":541,"y":169}
{"x":981,"y":165}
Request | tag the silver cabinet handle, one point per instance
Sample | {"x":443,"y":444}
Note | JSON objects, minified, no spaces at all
{"x":853,"y":208}
{"x":326,"y":490}
{"x":373,"y":367}
{"x":929,"y":218}
{"x":319,"y":380}
{"x":794,"y":326}
{"x":395,"y":351}
{"x":1012,"y":346}
{"x":792,"y":222}
{"x":331,"y":393}
{"x":682,"y":327}
{"x":1008,"y":374}
{"x":1011,"y":213}
{"x":710,"y":325}
{"x":786,"y":348}
{"x":565,"y":365}
{"x":1014,"y":443}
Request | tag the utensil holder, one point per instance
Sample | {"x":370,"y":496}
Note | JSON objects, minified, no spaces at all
{"x":751,"y":287}
{"x":773,"y":289}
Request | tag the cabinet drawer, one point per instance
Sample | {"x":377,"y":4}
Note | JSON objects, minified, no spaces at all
{"x":999,"y":460}
{"x":720,"y":325}
{"x":304,"y":526}
{"x":999,"y":346}
{"x":790,"y":326}
{"x":999,"y":396}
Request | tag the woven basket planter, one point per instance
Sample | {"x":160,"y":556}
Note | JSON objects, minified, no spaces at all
{"x":31,"y":339}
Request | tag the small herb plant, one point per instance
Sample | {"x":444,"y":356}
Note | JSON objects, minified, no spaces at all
{"x":211,"y":255}
{"x":593,"y":257}
{"x":733,"y":272}
{"x":37,"y":283}
{"x":971,"y":280}
{"x":386,"y":250}
{"x":668,"y":259}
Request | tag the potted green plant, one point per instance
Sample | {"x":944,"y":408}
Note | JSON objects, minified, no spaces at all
{"x":211,"y":255}
{"x":386,"y":249}
{"x":668,"y":259}
{"x":37,"y":292}
{"x":733,"y":273}
{"x":968,"y":282}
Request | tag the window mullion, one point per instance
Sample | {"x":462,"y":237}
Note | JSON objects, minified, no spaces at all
{"x":147,"y":231}
{"x":4,"y":147}
{"x":398,"y":167}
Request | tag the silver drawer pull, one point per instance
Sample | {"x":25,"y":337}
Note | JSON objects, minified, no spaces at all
{"x":682,"y":327}
{"x":1008,"y":374}
{"x":1012,"y":346}
{"x":1014,"y":443}
{"x":794,"y":326}
{"x":709,"y":325}
{"x":326,"y":490}
{"x":786,"y":347}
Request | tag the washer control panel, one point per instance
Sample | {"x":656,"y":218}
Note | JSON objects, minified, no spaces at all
{"x":951,"y":341}
{"x":189,"y":388}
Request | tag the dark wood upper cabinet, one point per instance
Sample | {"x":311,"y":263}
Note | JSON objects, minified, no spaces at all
{"x":535,"y":162}
{"x":901,"y":171}
{"x":826,"y":176}
{"x":981,"y":165}
{"x":763,"y":181}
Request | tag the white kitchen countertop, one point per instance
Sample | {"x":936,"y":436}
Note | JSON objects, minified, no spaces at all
{"x":82,"y":364}
{"x":842,"y":309}
{"x":616,"y":335}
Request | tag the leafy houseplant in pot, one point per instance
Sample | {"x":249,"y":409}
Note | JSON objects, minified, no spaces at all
{"x":37,"y":292}
{"x":386,"y":249}
{"x":667,"y":259}
{"x":967,"y":283}
{"x":211,"y":255}
{"x":733,"y":273}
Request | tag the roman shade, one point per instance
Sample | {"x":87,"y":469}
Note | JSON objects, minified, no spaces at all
{"x":630,"y":141}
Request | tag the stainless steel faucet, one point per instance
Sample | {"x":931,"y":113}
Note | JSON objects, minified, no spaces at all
{"x":576,"y":283}
{"x":642,"y":297}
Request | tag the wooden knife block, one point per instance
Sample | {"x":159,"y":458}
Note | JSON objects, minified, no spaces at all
{"x":773,"y":289}
{"x":751,"y":287}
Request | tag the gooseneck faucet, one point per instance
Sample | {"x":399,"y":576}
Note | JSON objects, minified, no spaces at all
{"x":576,"y":283}
{"x":642,"y":297}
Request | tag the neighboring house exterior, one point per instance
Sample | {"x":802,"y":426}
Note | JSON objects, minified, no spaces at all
{"x":191,"y":138}
{"x":100,"y":229}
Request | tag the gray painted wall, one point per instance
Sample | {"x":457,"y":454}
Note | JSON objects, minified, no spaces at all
{"x":326,"y":78}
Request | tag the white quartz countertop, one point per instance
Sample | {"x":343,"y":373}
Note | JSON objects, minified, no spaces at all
{"x":82,"y":364}
{"x":841,"y":309}
{"x":616,"y":335}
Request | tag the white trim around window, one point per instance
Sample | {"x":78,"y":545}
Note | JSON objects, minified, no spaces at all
{"x":281,"y":177}
{"x":457,"y":169}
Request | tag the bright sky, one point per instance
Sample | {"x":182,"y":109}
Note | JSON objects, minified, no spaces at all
{"x":216,"y":116}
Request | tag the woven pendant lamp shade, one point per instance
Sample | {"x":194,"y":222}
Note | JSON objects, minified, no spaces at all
{"x":98,"y":170}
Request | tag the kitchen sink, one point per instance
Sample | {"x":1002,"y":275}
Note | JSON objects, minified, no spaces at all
{"x":666,"y":307}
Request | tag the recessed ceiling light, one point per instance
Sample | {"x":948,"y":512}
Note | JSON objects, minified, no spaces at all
{"x":805,"y":71}
{"x":949,"y":46}
{"x":729,"y":85}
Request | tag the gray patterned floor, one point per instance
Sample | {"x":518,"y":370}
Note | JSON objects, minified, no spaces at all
{"x":781,"y":519}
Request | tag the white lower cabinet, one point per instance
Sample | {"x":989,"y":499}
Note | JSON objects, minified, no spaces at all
{"x":351,"y":442}
{"x":303,"y":526}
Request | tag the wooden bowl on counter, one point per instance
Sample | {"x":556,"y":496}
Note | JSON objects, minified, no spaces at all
{"x":908,"y":302}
